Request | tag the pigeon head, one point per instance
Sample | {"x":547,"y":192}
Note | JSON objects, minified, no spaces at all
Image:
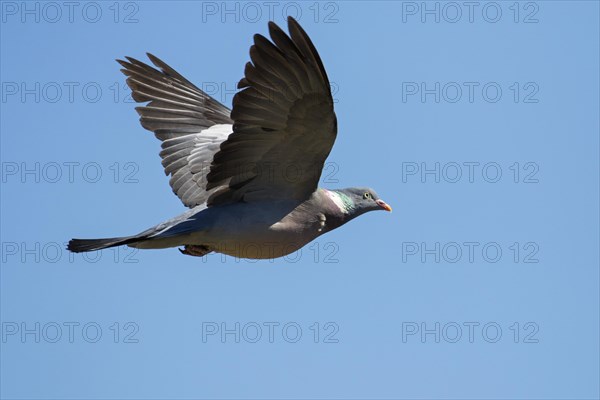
{"x":361,"y":200}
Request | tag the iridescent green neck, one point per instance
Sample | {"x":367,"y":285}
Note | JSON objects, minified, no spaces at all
{"x":341,"y":200}
{"x":346,"y":200}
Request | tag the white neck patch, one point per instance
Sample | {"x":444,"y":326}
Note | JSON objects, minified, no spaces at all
{"x":337,"y":200}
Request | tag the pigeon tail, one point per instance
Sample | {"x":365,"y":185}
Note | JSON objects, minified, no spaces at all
{"x":83,"y":245}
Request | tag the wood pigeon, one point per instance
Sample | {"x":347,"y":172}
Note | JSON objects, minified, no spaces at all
{"x":249,"y":175}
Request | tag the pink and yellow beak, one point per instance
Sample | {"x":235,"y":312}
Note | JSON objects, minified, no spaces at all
{"x":384,"y":205}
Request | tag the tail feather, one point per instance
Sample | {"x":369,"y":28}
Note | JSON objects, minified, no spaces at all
{"x":83,"y":245}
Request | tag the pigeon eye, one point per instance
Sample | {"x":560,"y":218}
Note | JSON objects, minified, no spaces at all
{"x":367,"y":195}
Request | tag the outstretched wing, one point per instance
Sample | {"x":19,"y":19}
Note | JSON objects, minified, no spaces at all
{"x":190,"y":124}
{"x":284,"y":123}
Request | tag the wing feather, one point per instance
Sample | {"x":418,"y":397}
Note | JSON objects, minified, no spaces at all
{"x":283,"y":121}
{"x":190,"y":124}
{"x":282,"y":118}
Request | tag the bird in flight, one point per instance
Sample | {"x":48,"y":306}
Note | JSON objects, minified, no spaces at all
{"x":249,"y":175}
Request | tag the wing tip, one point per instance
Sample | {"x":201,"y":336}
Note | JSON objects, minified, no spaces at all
{"x":155,"y":60}
{"x":291,"y":20}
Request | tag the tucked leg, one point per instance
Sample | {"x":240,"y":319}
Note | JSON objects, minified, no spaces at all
{"x":196,"y":251}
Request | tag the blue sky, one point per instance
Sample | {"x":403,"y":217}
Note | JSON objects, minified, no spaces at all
{"x":478,"y":124}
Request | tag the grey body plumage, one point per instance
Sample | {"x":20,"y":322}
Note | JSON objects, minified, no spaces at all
{"x":232,"y":168}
